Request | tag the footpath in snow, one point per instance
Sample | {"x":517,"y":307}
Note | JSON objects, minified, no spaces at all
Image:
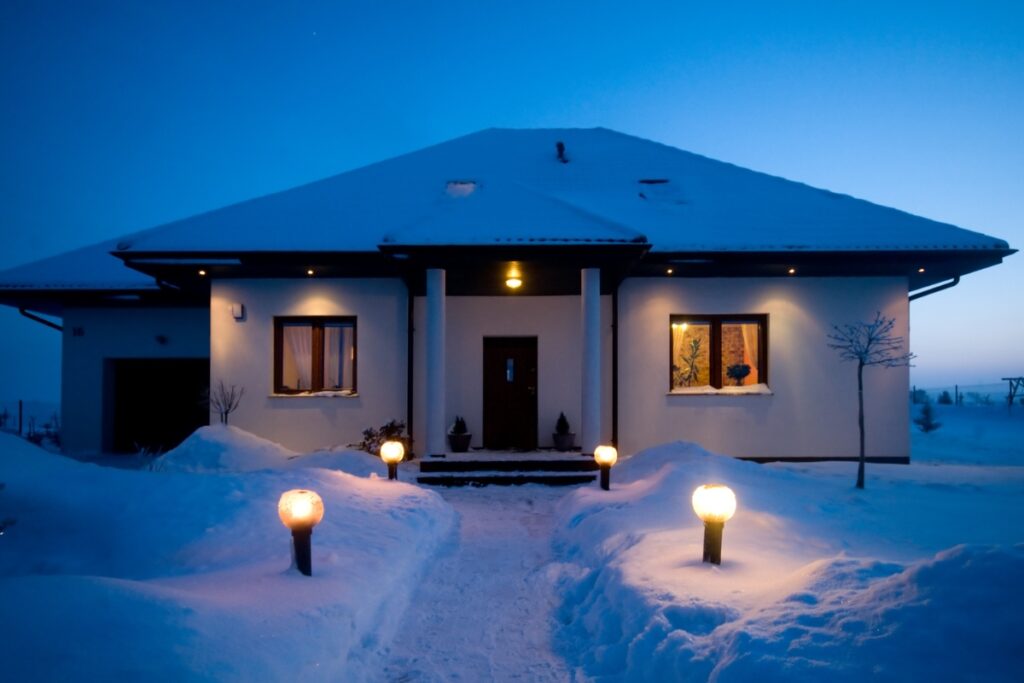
{"x":485,"y":609}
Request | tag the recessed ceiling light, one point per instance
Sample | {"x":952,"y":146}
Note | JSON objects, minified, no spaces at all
{"x":920,"y":270}
{"x":309,"y":271}
{"x":668,"y":272}
{"x":202,"y":273}
{"x":791,"y":271}
{"x":513,"y":283}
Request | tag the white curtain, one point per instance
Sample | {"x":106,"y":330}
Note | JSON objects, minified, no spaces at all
{"x":333,"y":374}
{"x":750,"y":352}
{"x":338,"y":357}
{"x":298,"y":339}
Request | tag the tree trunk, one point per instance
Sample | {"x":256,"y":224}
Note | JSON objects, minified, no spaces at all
{"x":860,"y":423}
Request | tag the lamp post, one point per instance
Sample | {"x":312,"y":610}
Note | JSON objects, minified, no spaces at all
{"x":605,"y":457}
{"x":392,"y":453}
{"x":301,"y":510}
{"x":715,"y":504}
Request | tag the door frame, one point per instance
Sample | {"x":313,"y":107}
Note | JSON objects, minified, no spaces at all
{"x":529,"y":423}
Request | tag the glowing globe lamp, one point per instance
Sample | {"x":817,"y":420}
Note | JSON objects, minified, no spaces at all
{"x":301,"y":510}
{"x":605,"y":457}
{"x":392,"y":453}
{"x":715,"y":504}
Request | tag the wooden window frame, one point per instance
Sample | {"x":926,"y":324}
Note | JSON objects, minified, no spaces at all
{"x":715,"y":352}
{"x":317,"y":323}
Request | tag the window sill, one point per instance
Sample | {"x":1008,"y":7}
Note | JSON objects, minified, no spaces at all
{"x":752,"y":390}
{"x":319,"y":394}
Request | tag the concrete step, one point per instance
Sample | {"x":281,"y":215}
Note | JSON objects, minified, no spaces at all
{"x":494,"y":465}
{"x":504,"y":478}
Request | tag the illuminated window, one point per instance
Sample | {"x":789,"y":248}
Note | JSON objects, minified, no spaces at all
{"x":718,"y":351}
{"x":314,"y":354}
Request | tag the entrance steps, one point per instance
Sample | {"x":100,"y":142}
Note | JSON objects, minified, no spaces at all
{"x":503,"y":468}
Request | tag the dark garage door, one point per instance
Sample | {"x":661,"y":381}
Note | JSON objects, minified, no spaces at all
{"x":154,"y":403}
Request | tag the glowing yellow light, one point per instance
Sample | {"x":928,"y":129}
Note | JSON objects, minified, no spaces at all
{"x":714,"y":503}
{"x":680,"y":326}
{"x":202,"y":273}
{"x":791,"y":271}
{"x":606,"y":455}
{"x":669,"y":271}
{"x":513,"y":283}
{"x":920,"y":270}
{"x":300,"y":509}
{"x":309,"y":271}
{"x":392,"y":452}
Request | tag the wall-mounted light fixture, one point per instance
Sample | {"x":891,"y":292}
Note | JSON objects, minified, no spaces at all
{"x":514,"y":277}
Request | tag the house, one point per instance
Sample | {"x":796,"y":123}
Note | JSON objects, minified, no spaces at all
{"x":506,"y":276}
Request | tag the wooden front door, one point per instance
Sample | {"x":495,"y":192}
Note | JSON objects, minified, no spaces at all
{"x":510,"y":393}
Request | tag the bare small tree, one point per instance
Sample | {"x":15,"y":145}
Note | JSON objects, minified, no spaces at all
{"x":225,"y":400}
{"x":870,"y":343}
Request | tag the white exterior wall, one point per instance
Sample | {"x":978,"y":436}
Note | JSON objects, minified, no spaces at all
{"x":92,"y":335}
{"x":812,"y":411}
{"x":554,"y":320}
{"x":242,"y":353}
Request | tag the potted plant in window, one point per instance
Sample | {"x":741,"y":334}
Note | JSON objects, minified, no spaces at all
{"x":563,"y":438}
{"x":459,"y":436}
{"x":737,"y":373}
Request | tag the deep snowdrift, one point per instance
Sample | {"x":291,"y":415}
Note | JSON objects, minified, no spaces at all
{"x":130,"y":575}
{"x":818,"y":581}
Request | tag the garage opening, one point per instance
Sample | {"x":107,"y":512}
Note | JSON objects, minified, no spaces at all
{"x":152,"y":404}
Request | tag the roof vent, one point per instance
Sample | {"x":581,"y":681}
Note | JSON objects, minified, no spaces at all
{"x":460,"y":188}
{"x":560,"y":150}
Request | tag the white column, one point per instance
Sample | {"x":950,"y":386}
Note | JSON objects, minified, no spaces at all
{"x":435,"y":424}
{"x":590,"y":415}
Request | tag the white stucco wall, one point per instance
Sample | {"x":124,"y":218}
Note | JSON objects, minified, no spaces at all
{"x":554,"y":320}
{"x":241,"y":353}
{"x":93,"y":335}
{"x":812,"y":411}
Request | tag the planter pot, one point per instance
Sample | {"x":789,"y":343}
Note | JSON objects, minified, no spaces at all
{"x":564,"y":442}
{"x":459,"y":443}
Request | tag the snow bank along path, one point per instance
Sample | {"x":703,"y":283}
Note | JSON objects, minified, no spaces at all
{"x":484,"y":611}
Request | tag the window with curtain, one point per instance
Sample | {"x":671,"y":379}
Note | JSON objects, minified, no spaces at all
{"x":314,"y":354}
{"x":716,"y":351}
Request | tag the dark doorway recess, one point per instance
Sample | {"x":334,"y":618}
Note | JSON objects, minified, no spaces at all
{"x":154,"y":403}
{"x":510,"y":393}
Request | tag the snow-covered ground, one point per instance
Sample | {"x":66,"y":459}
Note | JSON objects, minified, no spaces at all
{"x":181,"y":571}
{"x":111,"y":574}
{"x":918,"y":577}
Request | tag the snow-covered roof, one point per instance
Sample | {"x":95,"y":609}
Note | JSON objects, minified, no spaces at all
{"x":508,"y":187}
{"x":502,"y":186}
{"x":90,"y":268}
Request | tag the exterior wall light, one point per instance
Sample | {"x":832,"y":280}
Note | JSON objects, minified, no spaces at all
{"x":514,"y":278}
{"x":301,"y":510}
{"x":392,"y":453}
{"x":715,"y":504}
{"x":605,"y":457}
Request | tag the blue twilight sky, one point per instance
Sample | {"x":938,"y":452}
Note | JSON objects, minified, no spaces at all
{"x":119,"y":116}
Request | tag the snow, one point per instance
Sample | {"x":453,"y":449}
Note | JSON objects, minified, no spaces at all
{"x":183,"y":573}
{"x":88,"y":268}
{"x":112,"y":574}
{"x":818,"y":580}
{"x":744,"y":390}
{"x":523,"y":195}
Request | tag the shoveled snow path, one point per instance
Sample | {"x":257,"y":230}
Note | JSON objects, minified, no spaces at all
{"x":484,"y":611}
